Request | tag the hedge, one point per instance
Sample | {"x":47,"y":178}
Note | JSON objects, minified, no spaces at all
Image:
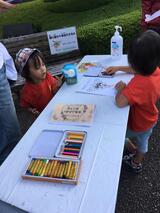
{"x":75,"y":5}
{"x":95,"y":38}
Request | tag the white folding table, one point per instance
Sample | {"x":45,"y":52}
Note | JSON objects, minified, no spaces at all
{"x":101,"y":159}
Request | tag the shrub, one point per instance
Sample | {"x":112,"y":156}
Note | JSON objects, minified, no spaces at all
{"x":50,"y":0}
{"x":95,"y":38}
{"x":75,"y":5}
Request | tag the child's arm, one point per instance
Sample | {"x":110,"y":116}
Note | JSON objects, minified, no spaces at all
{"x":56,"y":83}
{"x":111,"y":70}
{"x":121,"y":100}
{"x":60,"y":80}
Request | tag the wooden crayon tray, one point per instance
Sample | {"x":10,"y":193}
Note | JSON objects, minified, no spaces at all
{"x":53,"y":170}
{"x":71,"y":145}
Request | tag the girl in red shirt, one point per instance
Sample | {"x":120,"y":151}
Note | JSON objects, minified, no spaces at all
{"x":141,"y":93}
{"x":40,"y":86}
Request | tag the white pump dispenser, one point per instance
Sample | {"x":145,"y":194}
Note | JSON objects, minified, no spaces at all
{"x":117,"y":43}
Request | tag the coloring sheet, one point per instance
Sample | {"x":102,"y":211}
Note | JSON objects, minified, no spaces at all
{"x":102,"y":86}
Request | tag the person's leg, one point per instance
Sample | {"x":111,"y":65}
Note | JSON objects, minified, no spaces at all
{"x":129,"y":145}
{"x":10,"y":130}
{"x":142,"y":145}
{"x":135,"y":161}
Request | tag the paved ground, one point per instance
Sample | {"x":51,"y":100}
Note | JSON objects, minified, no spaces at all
{"x":137,"y":193}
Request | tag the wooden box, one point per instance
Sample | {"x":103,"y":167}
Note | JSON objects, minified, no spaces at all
{"x":53,"y":170}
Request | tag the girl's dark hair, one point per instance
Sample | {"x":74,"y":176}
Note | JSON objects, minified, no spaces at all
{"x":144,"y":52}
{"x":35,"y":60}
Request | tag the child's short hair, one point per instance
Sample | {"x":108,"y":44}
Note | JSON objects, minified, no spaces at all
{"x":144,"y":52}
{"x":24,"y":56}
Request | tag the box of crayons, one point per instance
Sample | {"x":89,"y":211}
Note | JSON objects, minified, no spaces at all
{"x":53,"y":170}
{"x":71,"y":145}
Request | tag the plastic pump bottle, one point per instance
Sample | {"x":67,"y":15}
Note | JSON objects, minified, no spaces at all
{"x":117,"y":43}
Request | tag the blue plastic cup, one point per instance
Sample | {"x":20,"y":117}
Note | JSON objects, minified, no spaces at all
{"x":70,"y":73}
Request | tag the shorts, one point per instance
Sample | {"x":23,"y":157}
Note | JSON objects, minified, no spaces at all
{"x":141,"y":138}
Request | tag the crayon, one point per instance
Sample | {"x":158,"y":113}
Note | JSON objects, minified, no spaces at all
{"x":75,"y":137}
{"x":50,"y":168}
{"x":39,"y":167}
{"x":36,"y":167}
{"x":57,"y":168}
{"x":53,"y":168}
{"x":72,"y":141}
{"x":76,"y":133}
{"x":72,"y":146}
{"x":35,"y":172}
{"x":72,"y":149}
{"x":65,"y":170}
{"x":70,"y":153}
{"x":47,"y":168}
{"x":71,"y":156}
{"x":33,"y":165}
{"x":68,"y":169}
{"x":44,"y":168}
{"x":77,"y":145}
{"x":62,"y":171}
{"x":75,"y":170}
{"x":72,"y":171}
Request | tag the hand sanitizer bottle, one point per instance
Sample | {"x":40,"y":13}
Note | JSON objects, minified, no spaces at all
{"x":117,"y":43}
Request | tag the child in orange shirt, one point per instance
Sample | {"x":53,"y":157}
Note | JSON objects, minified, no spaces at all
{"x":141,"y":93}
{"x":40,"y":86}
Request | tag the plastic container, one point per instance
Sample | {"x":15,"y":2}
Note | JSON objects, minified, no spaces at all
{"x":117,"y":43}
{"x":70,"y":73}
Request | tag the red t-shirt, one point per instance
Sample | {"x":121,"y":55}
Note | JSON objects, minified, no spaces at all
{"x":38,"y":95}
{"x":142,"y":93}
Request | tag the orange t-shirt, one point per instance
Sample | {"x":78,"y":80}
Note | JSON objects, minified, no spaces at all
{"x":142,"y":93}
{"x":38,"y":95}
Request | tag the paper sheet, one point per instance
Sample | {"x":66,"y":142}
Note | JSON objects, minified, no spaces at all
{"x":97,"y":86}
{"x":96,"y":72}
{"x":102,"y":86}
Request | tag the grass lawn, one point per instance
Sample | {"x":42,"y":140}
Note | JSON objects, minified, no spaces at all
{"x":47,"y":16}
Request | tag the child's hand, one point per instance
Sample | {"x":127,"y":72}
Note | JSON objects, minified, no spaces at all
{"x":60,"y":80}
{"x":120,"y":86}
{"x":110,"y":70}
{"x":34,"y":111}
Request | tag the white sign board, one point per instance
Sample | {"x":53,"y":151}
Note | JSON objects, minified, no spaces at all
{"x":62,"y":40}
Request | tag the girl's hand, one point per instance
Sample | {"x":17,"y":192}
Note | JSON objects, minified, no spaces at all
{"x":110,"y":70}
{"x":120,"y":86}
{"x":60,"y":80}
{"x":34,"y":111}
